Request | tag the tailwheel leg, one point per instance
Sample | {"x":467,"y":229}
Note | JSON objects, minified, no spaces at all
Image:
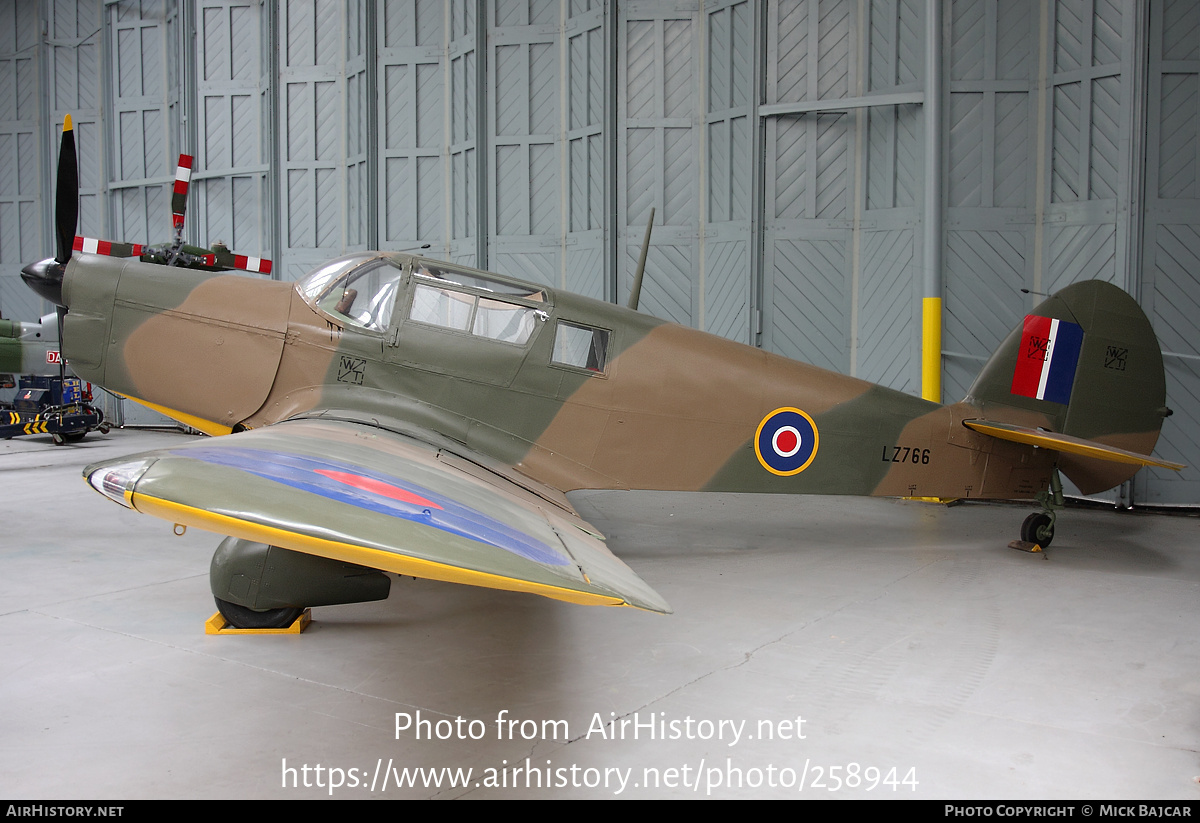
{"x":1038,"y":529}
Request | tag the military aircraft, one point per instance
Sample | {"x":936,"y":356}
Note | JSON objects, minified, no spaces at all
{"x":28,"y":348}
{"x":394,"y":413}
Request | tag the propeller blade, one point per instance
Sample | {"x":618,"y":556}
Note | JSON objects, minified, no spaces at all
{"x":66,"y":199}
{"x":228,"y":259}
{"x":90,"y":245}
{"x":256,"y":264}
{"x":183,"y":176}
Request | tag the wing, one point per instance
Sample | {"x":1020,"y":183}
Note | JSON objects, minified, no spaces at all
{"x":365,"y":495}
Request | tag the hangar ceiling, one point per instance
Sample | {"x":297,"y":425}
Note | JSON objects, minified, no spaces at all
{"x":783,"y":146}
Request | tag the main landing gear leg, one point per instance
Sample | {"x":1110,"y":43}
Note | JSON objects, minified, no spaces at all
{"x":1038,"y":529}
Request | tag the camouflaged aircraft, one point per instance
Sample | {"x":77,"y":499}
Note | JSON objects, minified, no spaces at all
{"x":394,"y":413}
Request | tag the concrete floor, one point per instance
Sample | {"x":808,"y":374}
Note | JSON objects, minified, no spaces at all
{"x":909,"y":640}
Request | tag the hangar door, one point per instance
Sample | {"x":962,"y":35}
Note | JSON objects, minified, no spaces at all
{"x":1171,"y":239}
{"x":842,"y":153}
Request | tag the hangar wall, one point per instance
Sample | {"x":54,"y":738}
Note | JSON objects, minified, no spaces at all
{"x":782,"y":145}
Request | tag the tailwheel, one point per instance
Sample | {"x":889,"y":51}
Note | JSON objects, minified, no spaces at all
{"x":1038,"y":528}
{"x":241,"y":617}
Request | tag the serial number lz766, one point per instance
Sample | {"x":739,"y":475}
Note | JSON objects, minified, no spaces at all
{"x":905,"y":454}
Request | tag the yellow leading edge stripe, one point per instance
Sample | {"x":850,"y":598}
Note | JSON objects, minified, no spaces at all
{"x":349,"y":553}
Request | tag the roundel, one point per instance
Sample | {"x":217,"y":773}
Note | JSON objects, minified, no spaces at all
{"x":786,"y":441}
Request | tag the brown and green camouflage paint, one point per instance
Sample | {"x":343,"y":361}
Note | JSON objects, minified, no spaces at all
{"x":674,"y":409}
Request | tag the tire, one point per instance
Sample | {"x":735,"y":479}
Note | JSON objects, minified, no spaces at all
{"x":75,"y":437}
{"x":241,"y":617}
{"x":1038,"y":528}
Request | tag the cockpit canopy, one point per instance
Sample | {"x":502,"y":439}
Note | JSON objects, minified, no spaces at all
{"x":358,"y":290}
{"x":362,"y":290}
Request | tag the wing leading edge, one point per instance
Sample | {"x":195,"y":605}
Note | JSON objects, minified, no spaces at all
{"x":376,"y":498}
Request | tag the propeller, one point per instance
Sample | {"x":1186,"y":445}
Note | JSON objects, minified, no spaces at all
{"x":46,"y":276}
{"x":178,"y":253}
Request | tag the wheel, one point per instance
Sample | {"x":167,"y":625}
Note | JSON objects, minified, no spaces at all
{"x":74,"y":437}
{"x":241,"y":617}
{"x":1038,"y":528}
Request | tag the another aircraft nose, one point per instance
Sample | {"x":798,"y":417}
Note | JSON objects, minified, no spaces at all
{"x":46,"y":278}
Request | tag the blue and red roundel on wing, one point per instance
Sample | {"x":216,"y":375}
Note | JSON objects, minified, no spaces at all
{"x":378,"y":492}
{"x":786,"y":441}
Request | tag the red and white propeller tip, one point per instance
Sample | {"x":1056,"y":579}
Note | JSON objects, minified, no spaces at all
{"x":183,"y":177}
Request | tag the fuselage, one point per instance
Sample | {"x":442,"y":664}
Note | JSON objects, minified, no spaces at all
{"x":573,"y":392}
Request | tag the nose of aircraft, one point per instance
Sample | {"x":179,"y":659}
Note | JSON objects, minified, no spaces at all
{"x":46,"y":278}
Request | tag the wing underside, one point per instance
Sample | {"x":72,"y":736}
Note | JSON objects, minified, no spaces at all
{"x":376,"y":498}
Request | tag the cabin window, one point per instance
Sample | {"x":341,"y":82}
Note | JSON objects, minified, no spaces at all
{"x":584,"y":347}
{"x":483,"y":316}
{"x":442,"y":307}
{"x":498,"y":320}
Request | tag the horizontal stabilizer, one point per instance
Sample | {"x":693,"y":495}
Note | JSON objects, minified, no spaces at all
{"x":1065,"y":443}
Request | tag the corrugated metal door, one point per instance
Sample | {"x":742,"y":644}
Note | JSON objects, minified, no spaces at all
{"x":809,"y":186}
{"x":230,"y":198}
{"x":730,"y":135}
{"x":887,"y":322}
{"x":525,"y":153}
{"x":992,"y":65}
{"x":658,"y":157}
{"x":23,"y":235}
{"x":412,"y":103}
{"x":311,"y":129}
{"x":142,"y":118}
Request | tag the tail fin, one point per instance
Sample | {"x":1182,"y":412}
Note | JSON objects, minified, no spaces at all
{"x":1085,"y":364}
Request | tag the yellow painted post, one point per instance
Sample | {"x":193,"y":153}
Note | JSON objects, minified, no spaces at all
{"x":931,"y":349}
